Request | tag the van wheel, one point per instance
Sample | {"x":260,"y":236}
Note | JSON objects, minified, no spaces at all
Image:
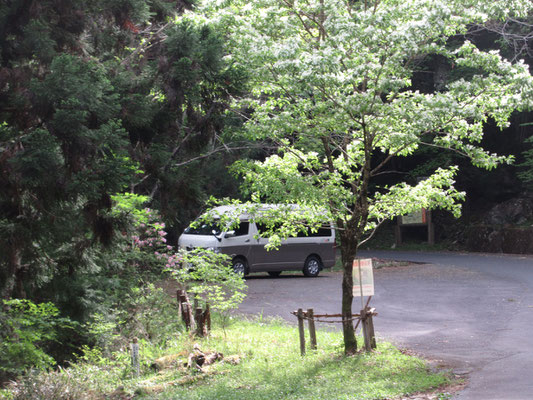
{"x":274,"y":273}
{"x":240,"y":266}
{"x":312,"y":266}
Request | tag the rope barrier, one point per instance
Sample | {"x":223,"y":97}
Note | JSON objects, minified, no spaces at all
{"x":364,"y":318}
{"x":354,"y":317}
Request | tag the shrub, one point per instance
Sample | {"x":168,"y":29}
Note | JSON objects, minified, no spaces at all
{"x":151,"y":315}
{"x":27,"y":330}
{"x":209,"y":275}
{"x":57,"y":385}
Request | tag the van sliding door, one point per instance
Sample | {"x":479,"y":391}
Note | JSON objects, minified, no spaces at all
{"x":261,"y":258}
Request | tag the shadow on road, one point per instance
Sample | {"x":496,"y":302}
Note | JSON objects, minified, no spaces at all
{"x":281,"y":277}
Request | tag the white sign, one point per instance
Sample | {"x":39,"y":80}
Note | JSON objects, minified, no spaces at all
{"x":418,"y":217}
{"x":363,"y":278}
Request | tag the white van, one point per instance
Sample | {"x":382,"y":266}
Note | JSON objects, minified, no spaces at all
{"x":307,"y":253}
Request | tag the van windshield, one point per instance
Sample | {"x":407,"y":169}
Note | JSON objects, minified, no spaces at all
{"x":203,"y":229}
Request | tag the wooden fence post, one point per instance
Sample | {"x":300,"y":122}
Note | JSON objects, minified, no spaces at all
{"x":366,"y":333}
{"x":199,"y":318}
{"x":208,"y":317}
{"x":178,"y":298}
{"x":301,"y":330}
{"x":312,"y":330}
{"x":365,"y":318}
{"x":371,"y":332}
{"x":186,"y":312}
{"x":368,"y":328}
{"x":187,"y":315}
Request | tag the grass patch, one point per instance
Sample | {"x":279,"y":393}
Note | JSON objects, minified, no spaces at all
{"x":261,"y":361}
{"x":271,"y":368}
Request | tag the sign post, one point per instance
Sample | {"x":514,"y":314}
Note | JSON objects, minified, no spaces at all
{"x":420,"y":218}
{"x":363,"y":285}
{"x":135,"y":357}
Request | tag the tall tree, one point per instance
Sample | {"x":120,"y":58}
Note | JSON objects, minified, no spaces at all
{"x":333,"y":88}
{"x":63,"y":150}
{"x":98,"y":97}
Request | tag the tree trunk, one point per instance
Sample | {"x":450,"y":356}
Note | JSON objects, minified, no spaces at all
{"x":348,"y":252}
{"x":14,"y":267}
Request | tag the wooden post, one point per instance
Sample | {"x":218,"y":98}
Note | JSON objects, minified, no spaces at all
{"x":312,"y":330}
{"x":368,"y":328}
{"x":199,"y":318}
{"x":179,"y":293}
{"x":371,"y":332}
{"x":431,"y":228}
{"x":301,"y":330}
{"x":366,"y":333}
{"x":135,"y":357}
{"x":185,"y":311}
{"x":208,"y":317}
{"x":186,"y":315}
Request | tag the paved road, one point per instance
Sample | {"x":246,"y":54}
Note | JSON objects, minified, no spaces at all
{"x":471,"y":312}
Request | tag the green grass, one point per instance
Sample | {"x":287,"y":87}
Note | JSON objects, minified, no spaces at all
{"x":269,"y":367}
{"x":272,"y":368}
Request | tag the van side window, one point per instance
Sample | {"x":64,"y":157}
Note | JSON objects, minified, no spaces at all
{"x":321,"y":232}
{"x":262,"y":228}
{"x":242,"y":229}
{"x":203,"y":229}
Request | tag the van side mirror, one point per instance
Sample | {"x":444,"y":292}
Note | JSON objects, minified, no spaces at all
{"x":229,"y":234}
{"x":217,"y":235}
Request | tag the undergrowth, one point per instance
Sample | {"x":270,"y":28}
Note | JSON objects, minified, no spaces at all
{"x":261,"y":360}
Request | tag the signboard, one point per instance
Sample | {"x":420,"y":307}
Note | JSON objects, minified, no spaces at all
{"x":415,"y":218}
{"x":363,"y":278}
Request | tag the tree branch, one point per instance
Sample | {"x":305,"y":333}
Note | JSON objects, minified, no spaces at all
{"x":372,"y":233}
{"x":154,"y":39}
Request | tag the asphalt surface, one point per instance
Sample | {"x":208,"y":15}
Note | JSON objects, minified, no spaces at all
{"x":472,"y":313}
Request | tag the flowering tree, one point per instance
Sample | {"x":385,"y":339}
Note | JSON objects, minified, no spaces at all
{"x":333,"y":89}
{"x":144,"y":244}
{"x":207,"y":274}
